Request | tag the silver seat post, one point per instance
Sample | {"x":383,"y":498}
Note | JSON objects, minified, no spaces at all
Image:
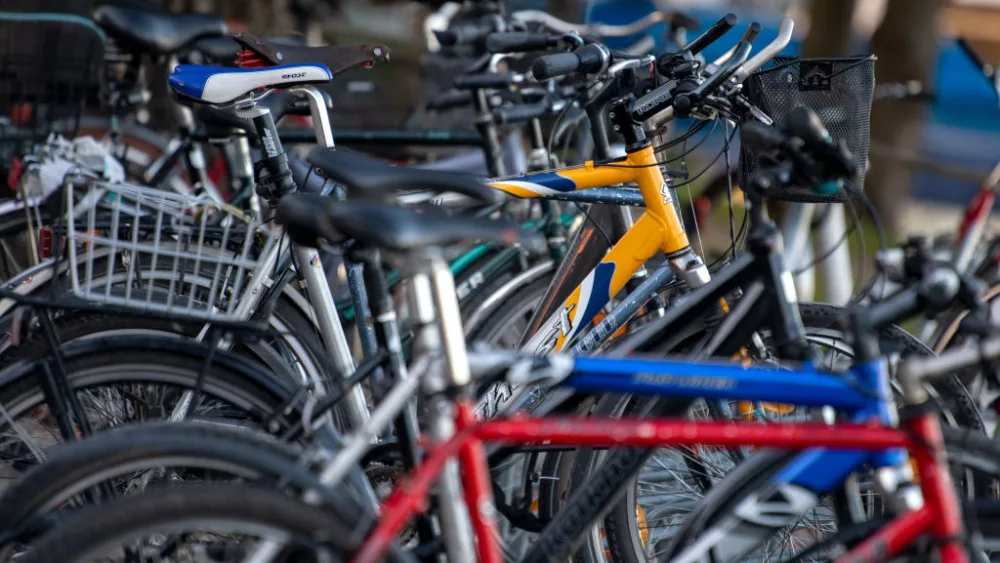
{"x":310,"y":267}
{"x":434,"y":310}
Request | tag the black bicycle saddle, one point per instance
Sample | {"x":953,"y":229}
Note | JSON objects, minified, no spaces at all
{"x":372,"y":179}
{"x":158,"y":33}
{"x":309,"y":217}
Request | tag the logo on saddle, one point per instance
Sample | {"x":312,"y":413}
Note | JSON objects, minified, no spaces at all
{"x":293,"y":75}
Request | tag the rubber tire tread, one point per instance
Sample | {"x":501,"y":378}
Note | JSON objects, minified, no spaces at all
{"x":104,"y":524}
{"x":70,"y":463}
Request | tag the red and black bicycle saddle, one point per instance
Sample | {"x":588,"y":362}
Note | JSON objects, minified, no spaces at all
{"x":338,"y":58}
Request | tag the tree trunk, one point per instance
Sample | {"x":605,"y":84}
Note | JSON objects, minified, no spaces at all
{"x":906,"y":47}
{"x":829,"y":28}
{"x":829,"y":36}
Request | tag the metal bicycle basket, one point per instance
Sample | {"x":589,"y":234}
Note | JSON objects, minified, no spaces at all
{"x":155,"y":252}
{"x":50,"y":65}
{"x":839,"y":90}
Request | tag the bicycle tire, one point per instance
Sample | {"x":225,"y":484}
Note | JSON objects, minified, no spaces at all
{"x":148,"y":360}
{"x":504,"y":314}
{"x":33,"y":504}
{"x":86,"y":533}
{"x":297,"y":334}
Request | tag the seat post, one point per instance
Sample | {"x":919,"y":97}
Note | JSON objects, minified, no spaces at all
{"x":433,"y":308}
{"x":274,"y":180}
{"x":320,"y":114}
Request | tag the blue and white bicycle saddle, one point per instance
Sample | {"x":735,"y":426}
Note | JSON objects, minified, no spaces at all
{"x":220,"y":85}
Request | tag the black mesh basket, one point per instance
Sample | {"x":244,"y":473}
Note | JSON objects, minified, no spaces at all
{"x":50,"y":65}
{"x":838,"y":90}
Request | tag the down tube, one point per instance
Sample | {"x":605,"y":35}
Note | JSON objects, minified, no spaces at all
{"x":640,"y":243}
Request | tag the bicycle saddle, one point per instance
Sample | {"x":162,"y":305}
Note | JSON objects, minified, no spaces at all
{"x":160,"y":33}
{"x":309,"y":217}
{"x":218,"y":49}
{"x":371,"y":179}
{"x":225,"y":49}
{"x":338,"y":58}
{"x":220,"y":85}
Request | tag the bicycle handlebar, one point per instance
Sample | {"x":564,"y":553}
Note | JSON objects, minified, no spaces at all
{"x":684,"y":102}
{"x":712,"y":34}
{"x":768,"y":52}
{"x":561,"y":26}
{"x":487,"y":80}
{"x":519,"y":42}
{"x":521,"y":113}
{"x":589,"y":59}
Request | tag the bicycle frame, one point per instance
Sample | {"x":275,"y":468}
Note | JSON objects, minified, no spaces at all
{"x":658,"y":229}
{"x":832,"y":451}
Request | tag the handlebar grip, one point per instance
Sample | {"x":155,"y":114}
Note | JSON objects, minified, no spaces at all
{"x":521,"y":113}
{"x":587,"y":59}
{"x":556,"y":64}
{"x":760,"y":137}
{"x":895,"y":309}
{"x":519,"y":42}
{"x":751,"y":33}
{"x":717,"y":30}
{"x":467,"y":33}
{"x":484,"y":81}
{"x":805,"y":124}
{"x":450,"y":99}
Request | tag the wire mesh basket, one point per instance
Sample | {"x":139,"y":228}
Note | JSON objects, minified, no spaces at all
{"x":839,"y":91}
{"x":151,"y":251}
{"x":50,"y":65}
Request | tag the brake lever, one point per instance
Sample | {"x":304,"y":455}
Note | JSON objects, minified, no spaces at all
{"x":640,"y":62}
{"x":743,"y":103}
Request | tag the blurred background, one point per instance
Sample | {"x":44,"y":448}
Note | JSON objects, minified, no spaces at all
{"x":929,"y":151}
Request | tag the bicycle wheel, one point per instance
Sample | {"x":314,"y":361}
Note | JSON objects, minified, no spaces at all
{"x":625,"y":533}
{"x":136,"y":458}
{"x":968,"y":449}
{"x":119,"y":380}
{"x":294,"y":343}
{"x":197,"y":523}
{"x":508,"y":320}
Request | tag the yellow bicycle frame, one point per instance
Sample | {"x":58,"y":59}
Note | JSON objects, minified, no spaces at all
{"x":659,"y":229}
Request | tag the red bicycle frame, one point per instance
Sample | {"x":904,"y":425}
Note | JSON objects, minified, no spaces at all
{"x":940,"y":516}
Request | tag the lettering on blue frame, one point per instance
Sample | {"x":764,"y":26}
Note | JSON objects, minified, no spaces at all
{"x":685,"y":381}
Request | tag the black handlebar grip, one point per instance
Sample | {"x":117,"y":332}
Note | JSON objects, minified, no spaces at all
{"x":521,"y":113}
{"x":450,"y":99}
{"x":484,"y":81}
{"x":806,"y":125}
{"x":592,"y":57}
{"x":897,"y":308}
{"x":760,"y":137}
{"x":717,"y":30}
{"x":556,"y":64}
{"x":751,"y":33}
{"x":519,"y":42}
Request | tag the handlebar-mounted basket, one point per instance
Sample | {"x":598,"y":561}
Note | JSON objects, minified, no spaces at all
{"x":839,"y":90}
{"x":148,"y":251}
